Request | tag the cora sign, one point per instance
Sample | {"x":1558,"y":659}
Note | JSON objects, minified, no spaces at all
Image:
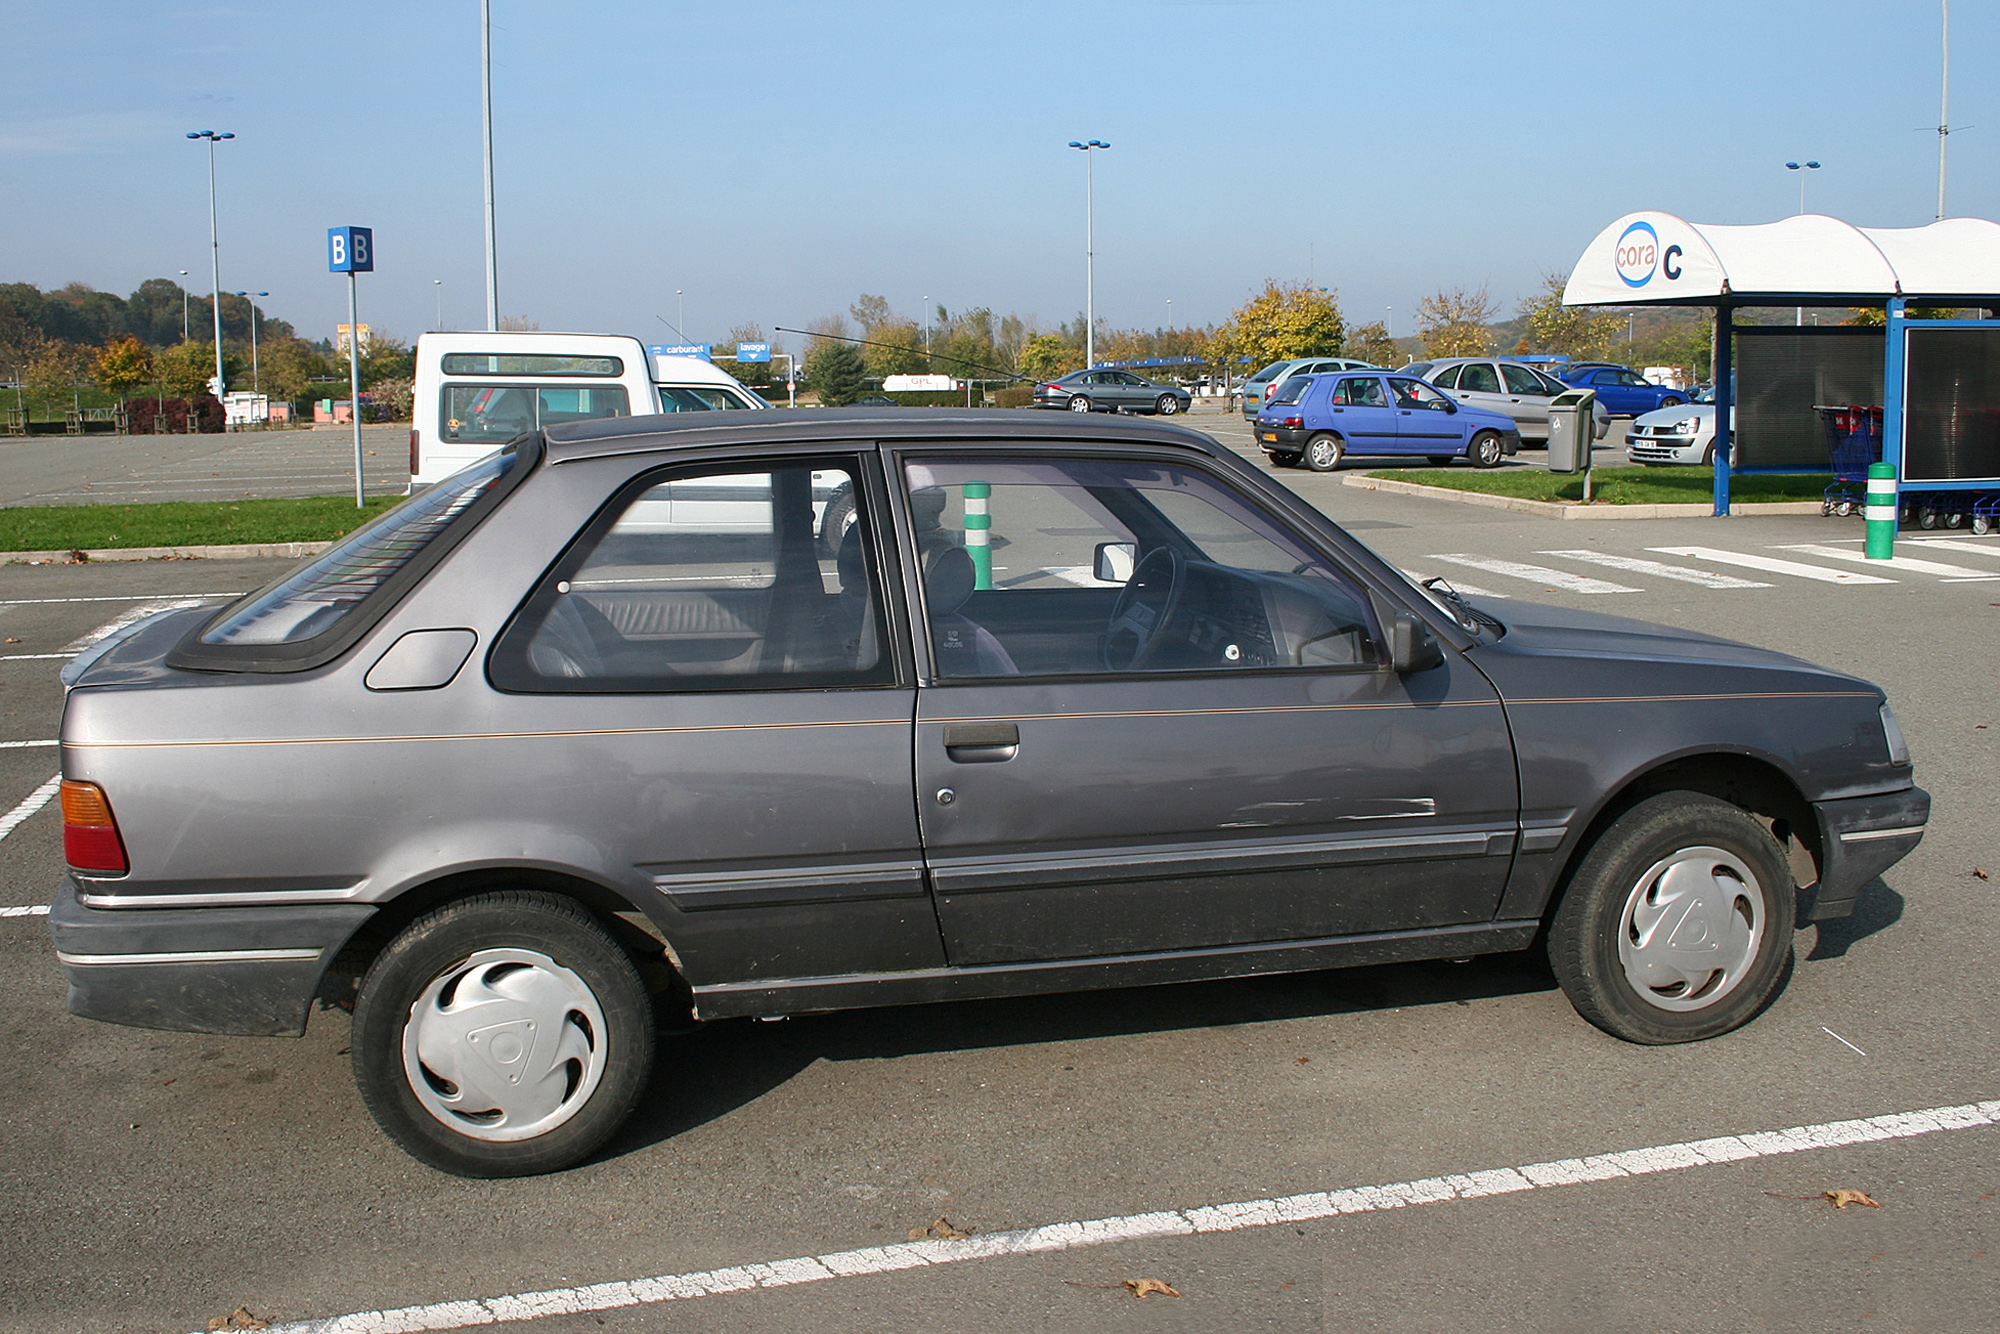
{"x":1638,"y":254}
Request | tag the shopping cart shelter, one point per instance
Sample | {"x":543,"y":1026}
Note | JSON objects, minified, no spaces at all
{"x":1936,"y":382}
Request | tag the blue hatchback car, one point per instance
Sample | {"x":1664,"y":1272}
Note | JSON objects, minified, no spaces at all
{"x":1317,"y":420}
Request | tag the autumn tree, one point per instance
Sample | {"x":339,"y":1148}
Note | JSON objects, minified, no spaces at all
{"x":122,"y":366}
{"x":1453,"y":323}
{"x":1284,"y":320}
{"x":185,"y":369}
{"x":1371,"y":343}
{"x":53,"y":367}
{"x":1046,"y":356}
{"x":1581,"y":333}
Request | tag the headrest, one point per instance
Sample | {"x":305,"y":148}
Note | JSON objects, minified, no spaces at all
{"x":948,"y":574}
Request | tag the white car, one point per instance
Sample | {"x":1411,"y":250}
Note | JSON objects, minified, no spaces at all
{"x":1683,"y":434}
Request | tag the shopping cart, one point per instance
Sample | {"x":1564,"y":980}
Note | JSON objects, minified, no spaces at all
{"x":1854,"y":440}
{"x":1986,"y":513}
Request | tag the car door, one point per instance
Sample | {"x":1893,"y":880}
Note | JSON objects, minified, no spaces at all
{"x":1426,"y":422}
{"x":1479,"y":387}
{"x":1527,"y":401}
{"x":719,"y":710}
{"x":1357,"y":407}
{"x":1203,"y":750}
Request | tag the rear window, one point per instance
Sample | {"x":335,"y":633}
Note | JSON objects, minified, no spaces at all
{"x":316,"y":611}
{"x":1292,"y":390}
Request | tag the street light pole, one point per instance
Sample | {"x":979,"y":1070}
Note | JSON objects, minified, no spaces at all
{"x":256,"y":383}
{"x":1089,"y":253}
{"x":680,"y":315}
{"x":439,"y":284}
{"x":486,"y":126}
{"x":184,"y":308}
{"x":1799,"y":314}
{"x":214,"y":248}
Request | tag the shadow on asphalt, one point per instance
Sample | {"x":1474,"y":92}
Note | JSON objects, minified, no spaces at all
{"x":1876,"y":908}
{"x":708,"y":1073}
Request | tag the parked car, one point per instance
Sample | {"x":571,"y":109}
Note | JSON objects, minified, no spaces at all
{"x":1622,"y":390}
{"x":1508,"y":387}
{"x":515,"y":777}
{"x":1112,"y":391}
{"x":1317,"y":420}
{"x":1683,"y":434}
{"x":1259,"y":388}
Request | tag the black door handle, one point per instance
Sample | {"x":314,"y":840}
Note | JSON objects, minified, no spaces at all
{"x":981,"y":743}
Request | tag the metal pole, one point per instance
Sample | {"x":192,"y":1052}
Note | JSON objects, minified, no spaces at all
{"x":215,"y":265}
{"x":1725,"y":406}
{"x":184,"y":308}
{"x":256,"y":379}
{"x":486,"y":123}
{"x":439,"y":284}
{"x":1089,"y":263}
{"x":1944,"y":107}
{"x":354,"y":381}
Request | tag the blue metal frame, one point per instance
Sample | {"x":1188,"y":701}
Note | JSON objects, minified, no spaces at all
{"x":1895,"y":373}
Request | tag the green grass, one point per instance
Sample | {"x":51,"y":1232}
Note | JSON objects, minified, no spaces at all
{"x":183,"y":523}
{"x":1619,"y":486}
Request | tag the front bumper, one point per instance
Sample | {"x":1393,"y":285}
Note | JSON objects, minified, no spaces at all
{"x":1860,"y":838}
{"x":199,"y":970}
{"x":1663,"y":448}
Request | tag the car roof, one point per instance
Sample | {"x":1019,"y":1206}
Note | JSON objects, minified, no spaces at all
{"x":864,"y":425}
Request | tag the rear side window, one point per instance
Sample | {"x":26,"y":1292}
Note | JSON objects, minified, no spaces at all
{"x":1478,"y":378}
{"x":697,"y":398}
{"x":1292,"y":390}
{"x":496,"y":413}
{"x":1447,"y":378}
{"x":1521,"y":380}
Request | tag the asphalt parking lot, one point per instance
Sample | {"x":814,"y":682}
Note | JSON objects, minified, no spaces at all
{"x":157,"y":1181}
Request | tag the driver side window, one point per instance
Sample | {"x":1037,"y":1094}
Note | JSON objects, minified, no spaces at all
{"x":1041,"y":567}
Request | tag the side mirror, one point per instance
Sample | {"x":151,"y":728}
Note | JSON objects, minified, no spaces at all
{"x":1412,"y":646}
{"x":1115,"y":562}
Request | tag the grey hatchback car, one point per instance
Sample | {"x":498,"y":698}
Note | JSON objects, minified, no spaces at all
{"x":603,"y":730}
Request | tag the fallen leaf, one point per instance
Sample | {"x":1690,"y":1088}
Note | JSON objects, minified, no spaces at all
{"x":12,"y":640}
{"x":1142,"y":1286}
{"x":1301,"y":1060}
{"x":1842,"y":1198}
{"x":941,"y":1229}
{"x":240,"y":1318}
{"x":1981,"y":873}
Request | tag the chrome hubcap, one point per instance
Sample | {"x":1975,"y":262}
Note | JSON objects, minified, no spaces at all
{"x":1691,"y":929}
{"x":506,"y":1045}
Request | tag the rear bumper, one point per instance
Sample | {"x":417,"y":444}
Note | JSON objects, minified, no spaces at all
{"x":1862,"y":837}
{"x":1281,"y":439}
{"x":199,"y":970}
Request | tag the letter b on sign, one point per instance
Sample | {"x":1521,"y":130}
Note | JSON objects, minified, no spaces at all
{"x":350,"y":249}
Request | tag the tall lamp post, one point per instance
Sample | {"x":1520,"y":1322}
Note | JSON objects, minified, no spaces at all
{"x":486,"y":135}
{"x":184,"y":308}
{"x":439,"y":284}
{"x":1089,"y":254}
{"x":214,"y":247}
{"x":1799,"y":313}
{"x":256,"y":383}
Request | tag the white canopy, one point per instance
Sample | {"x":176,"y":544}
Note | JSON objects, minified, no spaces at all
{"x":1657,"y":258}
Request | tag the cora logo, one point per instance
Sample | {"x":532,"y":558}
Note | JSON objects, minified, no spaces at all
{"x":1638,"y":254}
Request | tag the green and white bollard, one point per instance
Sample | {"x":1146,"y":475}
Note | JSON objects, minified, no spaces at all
{"x":1881,"y":512}
{"x":978,"y":532}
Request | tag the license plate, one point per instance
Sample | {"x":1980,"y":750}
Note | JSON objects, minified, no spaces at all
{"x":1271,"y":437}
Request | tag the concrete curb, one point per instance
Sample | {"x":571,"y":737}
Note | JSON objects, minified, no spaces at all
{"x":1569,"y":510}
{"x":255,"y":550}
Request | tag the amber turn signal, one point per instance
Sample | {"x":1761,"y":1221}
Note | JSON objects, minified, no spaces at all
{"x":90,"y":834}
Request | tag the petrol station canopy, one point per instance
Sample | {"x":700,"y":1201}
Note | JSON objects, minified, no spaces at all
{"x":1658,"y":259}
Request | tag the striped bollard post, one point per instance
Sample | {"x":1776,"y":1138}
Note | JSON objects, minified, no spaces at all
{"x":1881,"y":512}
{"x":978,"y":530}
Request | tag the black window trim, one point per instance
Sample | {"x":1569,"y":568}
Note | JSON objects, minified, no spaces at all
{"x":445,"y":370}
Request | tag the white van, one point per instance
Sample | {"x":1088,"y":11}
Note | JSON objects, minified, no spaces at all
{"x":476,"y":391}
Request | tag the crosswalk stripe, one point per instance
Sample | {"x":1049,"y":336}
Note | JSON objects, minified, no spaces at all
{"x":1542,"y":574}
{"x":1660,"y":568}
{"x":1953,"y":544}
{"x":1909,"y":563}
{"x":1772,"y":565}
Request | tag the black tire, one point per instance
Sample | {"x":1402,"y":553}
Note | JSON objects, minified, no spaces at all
{"x":836,"y":519}
{"x":1441,"y":460}
{"x":1323,"y":452}
{"x":1078,"y":403}
{"x":1166,"y":405}
{"x":1671,"y":402}
{"x":1732,"y":886}
{"x":1287,"y":459}
{"x":1926,"y":517}
{"x":534,"y":963}
{"x":1486,"y":450}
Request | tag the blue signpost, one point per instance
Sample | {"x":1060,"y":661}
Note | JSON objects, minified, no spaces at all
{"x":351,"y":250}
{"x":753,"y":351}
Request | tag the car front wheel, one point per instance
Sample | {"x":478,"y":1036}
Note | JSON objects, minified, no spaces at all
{"x":1486,"y":450}
{"x":1167,"y":405}
{"x":1078,"y":403}
{"x":1677,"y":925}
{"x":1323,"y":452}
{"x":502,"y":1035}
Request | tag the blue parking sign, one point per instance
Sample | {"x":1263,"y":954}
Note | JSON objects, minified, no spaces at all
{"x":350,"y":250}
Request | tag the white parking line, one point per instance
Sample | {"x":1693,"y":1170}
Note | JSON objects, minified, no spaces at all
{"x":1990,"y":548}
{"x":1773,"y":565}
{"x":26,"y":745}
{"x":31,"y":803}
{"x":1541,"y":574}
{"x":1907,"y":563}
{"x":32,"y":657}
{"x":127,"y":597}
{"x":1235,"y":1217}
{"x":1660,"y":568}
{"x":129,"y":617}
{"x":34,"y":910}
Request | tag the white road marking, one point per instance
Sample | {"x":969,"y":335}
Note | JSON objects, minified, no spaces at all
{"x":129,"y":617}
{"x":1235,"y":1217}
{"x":1989,"y":548}
{"x":32,"y":657}
{"x":128,"y":597}
{"x":1660,"y":568}
{"x":1841,"y":1040}
{"x":1773,"y":565}
{"x":1906,"y":563}
{"x":1541,"y":574}
{"x":31,"y":803}
{"x":34,"y":910}
{"x":26,"y":745}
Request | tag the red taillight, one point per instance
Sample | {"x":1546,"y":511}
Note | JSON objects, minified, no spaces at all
{"x":1055,"y":387}
{"x":413,"y":451}
{"x":90,"y":833}
{"x":1295,"y":421}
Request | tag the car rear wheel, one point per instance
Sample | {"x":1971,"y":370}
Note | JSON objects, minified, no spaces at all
{"x":1677,"y":925}
{"x":1078,"y":403}
{"x":1323,"y":452}
{"x":837,"y":518}
{"x":1486,"y":450}
{"x":1167,"y":405}
{"x":502,"y":1035}
{"x":1672,"y":401}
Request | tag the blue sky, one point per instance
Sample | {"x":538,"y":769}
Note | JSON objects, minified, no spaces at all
{"x":776,"y":160}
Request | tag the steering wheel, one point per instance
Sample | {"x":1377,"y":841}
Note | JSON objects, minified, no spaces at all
{"x":1144,"y":607}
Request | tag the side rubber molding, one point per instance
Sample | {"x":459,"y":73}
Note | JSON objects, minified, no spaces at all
{"x":199,"y":970}
{"x":1860,"y":838}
